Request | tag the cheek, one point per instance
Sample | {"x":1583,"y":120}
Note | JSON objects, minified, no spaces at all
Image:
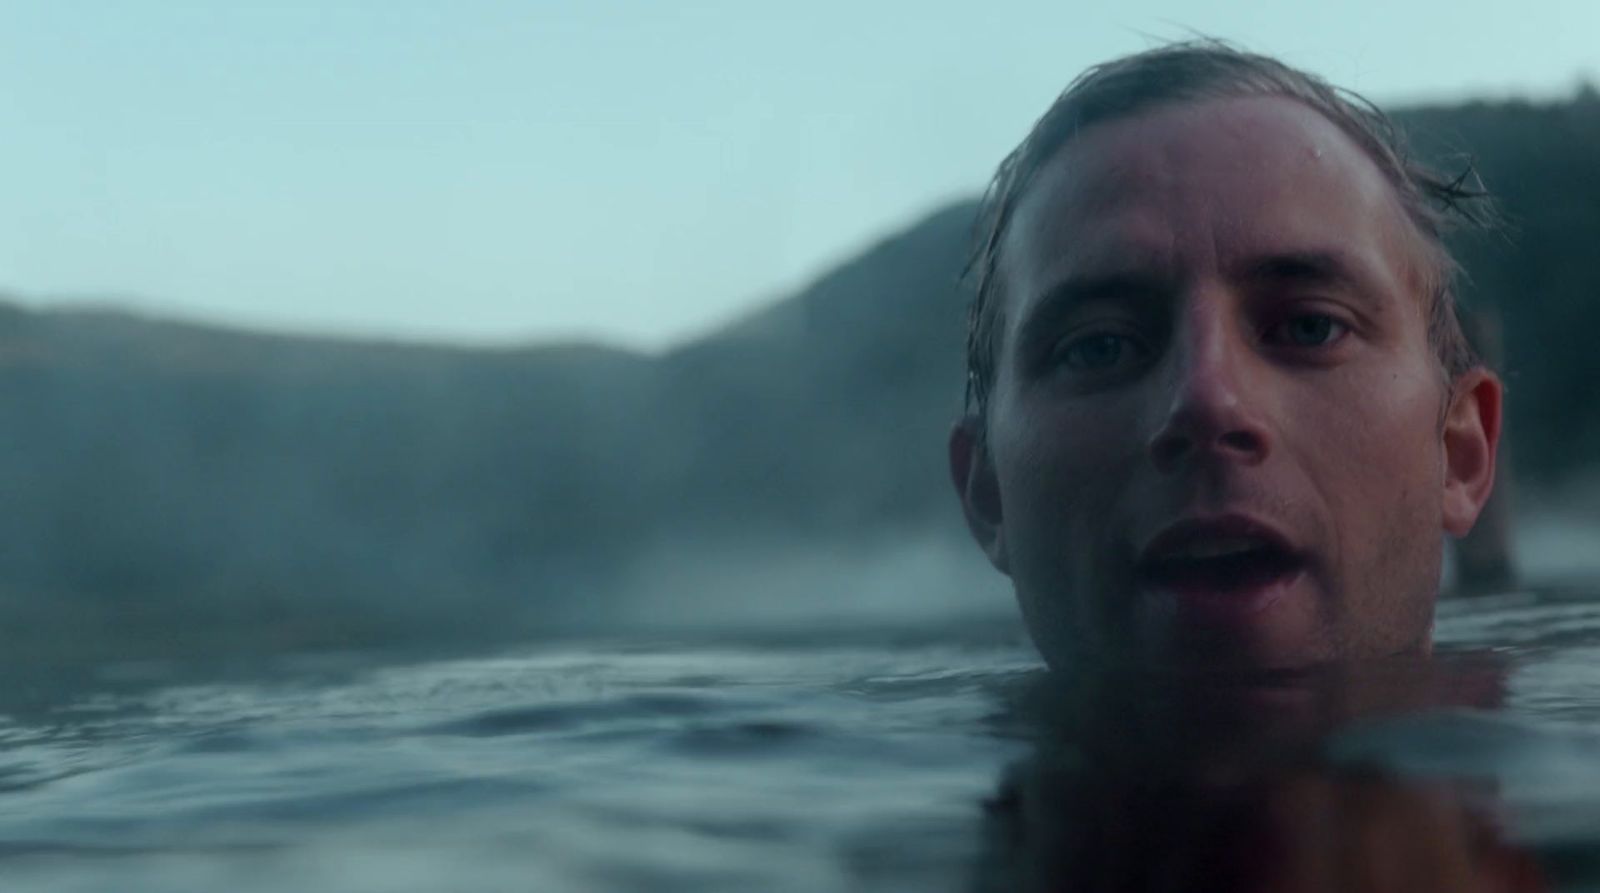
{"x":1062,"y":472}
{"x":1397,"y":424}
{"x":1371,"y":444}
{"x":1060,"y":465}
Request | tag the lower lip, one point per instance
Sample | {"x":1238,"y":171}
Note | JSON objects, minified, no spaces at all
{"x":1235,"y":605}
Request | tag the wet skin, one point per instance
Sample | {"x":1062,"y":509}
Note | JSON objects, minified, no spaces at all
{"x":1218,"y":434}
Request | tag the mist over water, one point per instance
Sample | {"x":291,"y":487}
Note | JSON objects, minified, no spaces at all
{"x":926,"y":581}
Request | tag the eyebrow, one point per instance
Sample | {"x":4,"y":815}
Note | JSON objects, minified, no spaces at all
{"x":1321,"y":268}
{"x":1059,"y":301}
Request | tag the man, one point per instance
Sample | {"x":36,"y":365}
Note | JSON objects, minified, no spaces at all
{"x":1221,"y":413}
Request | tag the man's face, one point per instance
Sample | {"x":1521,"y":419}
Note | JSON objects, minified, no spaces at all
{"x":1217,"y":431}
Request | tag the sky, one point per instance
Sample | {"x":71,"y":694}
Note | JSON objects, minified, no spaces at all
{"x":636,"y":173}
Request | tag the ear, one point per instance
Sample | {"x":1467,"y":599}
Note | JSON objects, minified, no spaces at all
{"x":974,"y":477}
{"x":1471,"y":438}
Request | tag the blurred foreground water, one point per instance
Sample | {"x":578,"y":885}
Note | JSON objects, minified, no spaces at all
{"x":797,"y":762}
{"x":777,"y":765}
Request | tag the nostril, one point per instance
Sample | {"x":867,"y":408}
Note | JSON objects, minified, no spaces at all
{"x":1240,"y":441}
{"x":1169,"y":448}
{"x":1172,"y":448}
{"x":1217,"y":425}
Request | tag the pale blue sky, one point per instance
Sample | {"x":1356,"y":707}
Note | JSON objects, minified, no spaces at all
{"x":638,"y":172}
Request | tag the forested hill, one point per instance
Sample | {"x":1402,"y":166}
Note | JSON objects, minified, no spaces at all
{"x":168,"y":482}
{"x":1541,"y":276}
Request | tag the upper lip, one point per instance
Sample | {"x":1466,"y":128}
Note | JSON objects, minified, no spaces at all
{"x":1194,"y":532}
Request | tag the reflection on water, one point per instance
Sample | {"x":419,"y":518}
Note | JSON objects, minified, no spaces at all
{"x":1312,"y":829}
{"x":1162,"y":784}
{"x":874,"y":759}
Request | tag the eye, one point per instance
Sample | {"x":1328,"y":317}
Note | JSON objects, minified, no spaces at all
{"x":1308,"y":330}
{"x":1099,"y":352}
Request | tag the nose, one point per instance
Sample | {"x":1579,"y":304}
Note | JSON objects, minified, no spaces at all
{"x":1214,"y":411}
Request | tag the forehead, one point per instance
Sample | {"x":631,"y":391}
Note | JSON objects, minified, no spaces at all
{"x":1191,"y":186}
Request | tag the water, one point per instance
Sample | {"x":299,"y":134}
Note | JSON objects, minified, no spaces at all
{"x":809,"y":761}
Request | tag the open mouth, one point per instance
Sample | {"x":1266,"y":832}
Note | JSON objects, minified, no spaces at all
{"x":1238,"y":563}
{"x":1242,"y":569}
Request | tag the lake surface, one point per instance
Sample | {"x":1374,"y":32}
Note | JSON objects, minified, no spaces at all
{"x":867,"y":760}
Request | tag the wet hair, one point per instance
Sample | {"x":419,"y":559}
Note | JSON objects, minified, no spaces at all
{"x":1208,"y":69}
